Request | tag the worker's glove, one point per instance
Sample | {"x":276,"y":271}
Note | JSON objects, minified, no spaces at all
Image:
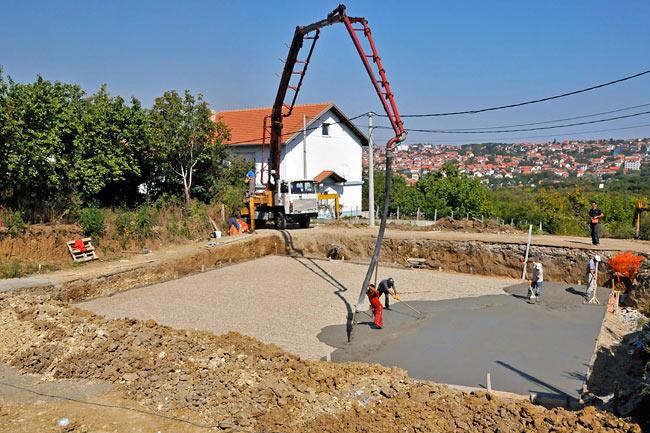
{"x":396,"y":297}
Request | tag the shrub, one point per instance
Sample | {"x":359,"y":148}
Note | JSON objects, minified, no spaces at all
{"x":644,"y":232}
{"x":12,"y":269}
{"x":146,"y":218}
{"x":123,"y":227}
{"x":15,"y":269}
{"x":14,"y":222}
{"x":91,"y":220}
{"x":619,"y":230}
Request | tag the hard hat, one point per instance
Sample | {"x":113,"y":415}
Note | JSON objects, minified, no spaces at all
{"x":597,"y":258}
{"x":390,"y":281}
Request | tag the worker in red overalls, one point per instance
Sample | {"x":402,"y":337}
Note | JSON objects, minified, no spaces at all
{"x":377,"y":308}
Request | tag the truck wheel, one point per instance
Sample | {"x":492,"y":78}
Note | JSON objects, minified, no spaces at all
{"x":280,"y":220}
{"x":304,"y":222}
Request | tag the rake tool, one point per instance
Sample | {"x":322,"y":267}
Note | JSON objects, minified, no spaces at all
{"x":406,"y":303}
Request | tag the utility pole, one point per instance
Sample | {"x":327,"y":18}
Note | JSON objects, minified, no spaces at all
{"x":371,"y":174}
{"x":304,"y":146}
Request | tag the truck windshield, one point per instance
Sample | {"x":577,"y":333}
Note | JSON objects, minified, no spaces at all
{"x":302,"y":187}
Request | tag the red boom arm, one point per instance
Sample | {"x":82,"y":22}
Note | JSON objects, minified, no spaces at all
{"x":386,"y":96}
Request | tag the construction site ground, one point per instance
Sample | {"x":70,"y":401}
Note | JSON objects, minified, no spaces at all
{"x":106,"y":374}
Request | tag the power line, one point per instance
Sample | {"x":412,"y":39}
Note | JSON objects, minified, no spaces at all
{"x":552,"y":121}
{"x":443,"y":131}
{"x":534,"y":101}
{"x":493,"y":139}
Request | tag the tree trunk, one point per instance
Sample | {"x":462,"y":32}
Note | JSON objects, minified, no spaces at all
{"x":188,"y":200}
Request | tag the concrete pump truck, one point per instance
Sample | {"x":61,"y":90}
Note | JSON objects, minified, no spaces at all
{"x":296,"y":200}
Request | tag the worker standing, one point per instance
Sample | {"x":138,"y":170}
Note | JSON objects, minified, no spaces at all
{"x":250,"y":180}
{"x":387,"y":287}
{"x":536,"y":281}
{"x":592,"y":276}
{"x":595,"y":214}
{"x":375,"y":303}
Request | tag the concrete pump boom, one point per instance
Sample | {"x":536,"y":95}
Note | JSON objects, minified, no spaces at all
{"x":382,"y":87}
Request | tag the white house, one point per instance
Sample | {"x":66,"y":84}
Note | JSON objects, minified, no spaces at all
{"x":319,"y":142}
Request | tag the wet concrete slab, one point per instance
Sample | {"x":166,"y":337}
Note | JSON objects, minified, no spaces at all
{"x":543,"y":348}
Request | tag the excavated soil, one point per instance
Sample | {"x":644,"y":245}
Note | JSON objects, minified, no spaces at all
{"x":237,"y":382}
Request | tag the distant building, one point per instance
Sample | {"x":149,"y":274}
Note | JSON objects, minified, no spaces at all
{"x":632,"y":163}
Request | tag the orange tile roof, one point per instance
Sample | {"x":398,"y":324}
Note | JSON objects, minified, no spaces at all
{"x":246,"y":125}
{"x":328,"y":173}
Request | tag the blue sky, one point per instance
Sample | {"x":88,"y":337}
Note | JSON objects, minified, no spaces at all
{"x":439,"y":57}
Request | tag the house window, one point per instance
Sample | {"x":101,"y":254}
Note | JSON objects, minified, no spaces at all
{"x":326,"y":129}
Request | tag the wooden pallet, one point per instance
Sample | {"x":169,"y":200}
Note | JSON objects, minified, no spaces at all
{"x":83,"y":256}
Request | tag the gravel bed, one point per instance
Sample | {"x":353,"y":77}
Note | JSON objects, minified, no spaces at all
{"x":280,"y":300}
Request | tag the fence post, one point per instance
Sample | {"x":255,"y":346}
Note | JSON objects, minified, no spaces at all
{"x":540,"y":226}
{"x":398,"y":212}
{"x":467,"y":217}
{"x":417,"y":217}
{"x":452,"y":214}
{"x":481,"y":219}
{"x":511,"y":221}
{"x":435,"y":216}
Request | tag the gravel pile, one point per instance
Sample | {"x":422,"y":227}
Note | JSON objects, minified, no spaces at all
{"x":631,"y":317}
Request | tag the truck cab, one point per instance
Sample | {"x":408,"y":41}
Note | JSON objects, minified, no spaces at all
{"x":295,"y":201}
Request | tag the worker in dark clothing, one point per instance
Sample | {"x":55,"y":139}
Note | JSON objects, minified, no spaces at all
{"x":387,"y":287}
{"x":595,"y":214}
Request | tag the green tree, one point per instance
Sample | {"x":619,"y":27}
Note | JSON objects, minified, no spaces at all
{"x":109,"y":146}
{"x":38,"y":125}
{"x":449,"y":190}
{"x":398,"y":190}
{"x":184,"y":135}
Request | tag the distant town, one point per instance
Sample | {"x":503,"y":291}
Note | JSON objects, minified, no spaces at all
{"x":521,"y":164}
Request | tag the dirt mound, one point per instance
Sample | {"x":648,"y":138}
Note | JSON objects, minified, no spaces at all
{"x":471,"y":226}
{"x":638,"y":295}
{"x":41,"y":243}
{"x":241,"y":382}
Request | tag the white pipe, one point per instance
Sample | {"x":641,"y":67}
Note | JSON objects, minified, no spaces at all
{"x":371,"y":175}
{"x":530,"y":232}
{"x":304,"y":146}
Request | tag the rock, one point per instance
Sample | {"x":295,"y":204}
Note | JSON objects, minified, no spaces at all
{"x":130,"y":377}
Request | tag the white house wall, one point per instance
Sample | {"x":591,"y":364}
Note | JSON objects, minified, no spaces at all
{"x":340,"y":151}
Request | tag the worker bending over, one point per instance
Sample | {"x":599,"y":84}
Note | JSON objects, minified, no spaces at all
{"x":387,"y":287}
{"x":375,"y":304}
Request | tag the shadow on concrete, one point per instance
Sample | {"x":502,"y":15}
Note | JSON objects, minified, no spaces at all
{"x":533,"y":379}
{"x":573,"y":291}
{"x":329,"y":278}
{"x":289,"y":245}
{"x":571,"y":241}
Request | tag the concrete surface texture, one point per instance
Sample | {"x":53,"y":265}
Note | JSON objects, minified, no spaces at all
{"x":544,"y":348}
{"x":280,"y":300}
